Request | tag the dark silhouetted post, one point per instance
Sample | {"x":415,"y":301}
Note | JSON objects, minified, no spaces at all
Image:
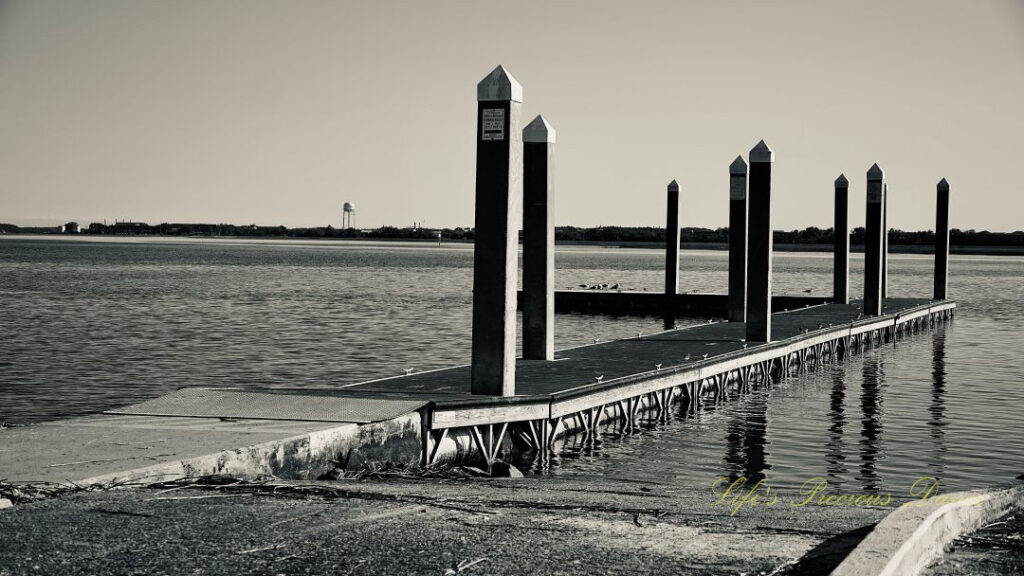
{"x":885,"y":241}
{"x":538,"y":241}
{"x":873,"y":242}
{"x":672,"y":240}
{"x":841,"y":245}
{"x":759,"y":243}
{"x":499,"y":193}
{"x":738,"y":240}
{"x":941,"y":238}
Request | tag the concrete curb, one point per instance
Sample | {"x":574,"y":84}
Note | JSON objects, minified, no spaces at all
{"x":915,"y":534}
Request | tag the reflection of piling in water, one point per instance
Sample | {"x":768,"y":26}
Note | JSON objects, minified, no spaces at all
{"x":746,"y":439}
{"x":835,"y":454}
{"x":937,"y":423}
{"x":871,"y":422}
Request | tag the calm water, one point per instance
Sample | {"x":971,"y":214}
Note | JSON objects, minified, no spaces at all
{"x":88,"y":325}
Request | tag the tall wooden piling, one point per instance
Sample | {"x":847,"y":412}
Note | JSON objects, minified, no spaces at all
{"x":499,"y":192}
{"x":759,"y":242}
{"x":941,"y":239}
{"x":841,"y":244}
{"x":738,"y":240}
{"x":672,"y":240}
{"x":873,"y":243}
{"x":885,"y":240}
{"x":538,"y":240}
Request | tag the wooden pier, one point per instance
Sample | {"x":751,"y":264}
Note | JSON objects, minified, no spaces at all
{"x":621,"y":379}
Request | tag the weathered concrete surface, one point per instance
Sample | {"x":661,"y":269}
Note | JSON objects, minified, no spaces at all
{"x":103,"y":449}
{"x":527,"y":526}
{"x":914,"y":535}
{"x":994,"y":550}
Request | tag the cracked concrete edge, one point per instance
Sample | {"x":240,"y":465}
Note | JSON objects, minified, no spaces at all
{"x":914,"y":535}
{"x":303,"y":457}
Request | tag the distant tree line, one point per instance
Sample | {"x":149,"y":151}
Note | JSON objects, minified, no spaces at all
{"x":605,"y":234}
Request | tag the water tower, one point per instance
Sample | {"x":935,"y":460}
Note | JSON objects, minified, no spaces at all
{"x":348,"y":215}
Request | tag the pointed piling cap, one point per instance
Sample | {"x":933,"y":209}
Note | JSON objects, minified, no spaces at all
{"x":738,"y":166}
{"x":943,"y":186}
{"x":499,"y":85}
{"x":539,"y":131}
{"x":673,"y":187}
{"x":875,"y":173}
{"x":761,"y":153}
{"x":842,"y":182}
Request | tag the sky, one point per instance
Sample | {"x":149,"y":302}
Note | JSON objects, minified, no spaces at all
{"x":279,"y":112}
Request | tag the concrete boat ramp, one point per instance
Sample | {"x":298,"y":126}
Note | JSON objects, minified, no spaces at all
{"x":429,"y":416}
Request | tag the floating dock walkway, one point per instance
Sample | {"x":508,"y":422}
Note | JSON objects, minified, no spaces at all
{"x":431,"y":416}
{"x":587,"y":386}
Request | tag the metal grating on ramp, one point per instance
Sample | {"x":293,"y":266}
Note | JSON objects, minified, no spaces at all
{"x":214,"y":403}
